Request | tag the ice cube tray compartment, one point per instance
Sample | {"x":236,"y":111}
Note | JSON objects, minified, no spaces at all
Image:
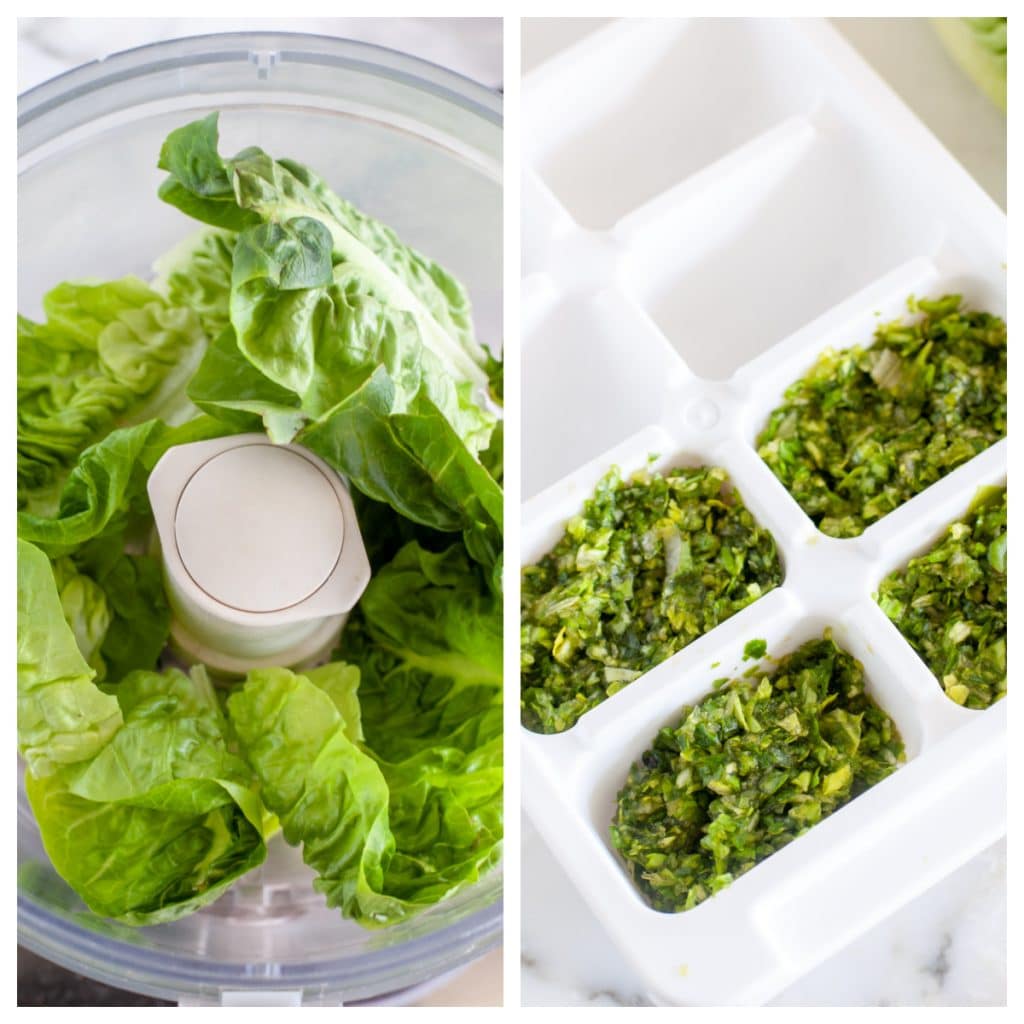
{"x":595,"y":142}
{"x":802,"y":211}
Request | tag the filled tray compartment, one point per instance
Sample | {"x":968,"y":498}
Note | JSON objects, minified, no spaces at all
{"x":732,"y":587}
{"x":764,"y":385}
{"x":783,"y":632}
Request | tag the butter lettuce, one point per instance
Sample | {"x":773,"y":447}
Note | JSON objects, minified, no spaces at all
{"x":62,"y":716}
{"x":196,"y":274}
{"x":102,"y":511}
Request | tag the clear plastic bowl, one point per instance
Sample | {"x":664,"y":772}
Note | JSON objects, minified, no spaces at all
{"x":413,"y":144}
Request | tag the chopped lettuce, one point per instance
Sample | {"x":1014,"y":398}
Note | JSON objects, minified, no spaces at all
{"x":650,"y":564}
{"x":950,"y":604}
{"x":868,"y":428}
{"x":749,"y":768}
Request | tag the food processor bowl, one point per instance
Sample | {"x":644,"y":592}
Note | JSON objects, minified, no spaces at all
{"x":419,"y":148}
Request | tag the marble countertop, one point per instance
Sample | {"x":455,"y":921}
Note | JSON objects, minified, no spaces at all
{"x":50,"y":46}
{"x":948,"y":946}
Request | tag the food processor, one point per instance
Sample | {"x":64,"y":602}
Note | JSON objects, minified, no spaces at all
{"x":414,"y":145}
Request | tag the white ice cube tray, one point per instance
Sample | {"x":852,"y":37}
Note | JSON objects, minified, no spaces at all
{"x":707,"y":206}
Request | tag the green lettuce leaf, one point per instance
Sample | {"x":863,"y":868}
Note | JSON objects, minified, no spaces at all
{"x":329,"y":796}
{"x":86,"y":611}
{"x":108,"y":484}
{"x":427,"y":639}
{"x":108,"y":355}
{"x":104,"y":510}
{"x":414,"y":463}
{"x":196,"y":274}
{"x":253,"y":189}
{"x":413,"y":814}
{"x":142,"y":865}
{"x":428,"y":642}
{"x":343,"y":339}
{"x":164,"y":817}
{"x":141,"y":805}
{"x":63,"y":717}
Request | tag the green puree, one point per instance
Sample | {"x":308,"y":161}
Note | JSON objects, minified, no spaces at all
{"x":651,"y":563}
{"x":748,"y":769}
{"x":950,"y":603}
{"x":867,"y":429}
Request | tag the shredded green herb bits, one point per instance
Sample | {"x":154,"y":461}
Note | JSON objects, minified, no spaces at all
{"x":950,"y":604}
{"x":867,"y":429}
{"x":651,"y":563}
{"x":748,"y":769}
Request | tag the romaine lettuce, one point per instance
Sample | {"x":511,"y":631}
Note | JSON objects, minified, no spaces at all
{"x":108,"y":355}
{"x":413,"y":813}
{"x":140,"y":804}
{"x":294,"y":313}
{"x":343,"y":339}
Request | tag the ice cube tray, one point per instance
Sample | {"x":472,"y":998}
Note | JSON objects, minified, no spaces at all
{"x":708,"y":205}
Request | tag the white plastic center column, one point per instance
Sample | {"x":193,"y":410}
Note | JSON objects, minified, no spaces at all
{"x":262,"y":553}
{"x":259,"y":528}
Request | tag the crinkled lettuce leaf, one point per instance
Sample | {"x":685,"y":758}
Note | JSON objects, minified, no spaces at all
{"x":427,"y":639}
{"x":252,"y":190}
{"x":343,"y":339}
{"x":108,"y":484}
{"x":413,"y":813}
{"x":108,"y":355}
{"x":196,"y":274}
{"x":140,"y":804}
{"x":103,"y":509}
{"x":329,"y":795}
{"x":62,"y":716}
{"x":142,"y":865}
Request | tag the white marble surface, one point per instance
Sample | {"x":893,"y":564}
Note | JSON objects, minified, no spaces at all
{"x":471,"y":46}
{"x":948,"y":946}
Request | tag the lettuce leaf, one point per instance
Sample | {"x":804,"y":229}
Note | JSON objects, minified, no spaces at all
{"x":62,"y":716}
{"x":141,"y":806}
{"x":103,"y":508}
{"x":343,"y":339}
{"x":427,"y":639}
{"x":412,"y":814}
{"x":196,"y":274}
{"x":329,"y":796}
{"x":108,"y":355}
{"x":253,"y":190}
